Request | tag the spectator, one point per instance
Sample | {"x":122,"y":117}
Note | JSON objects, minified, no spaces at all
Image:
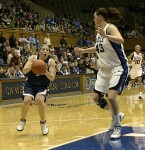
{"x":2,"y":39}
{"x":37,"y":42}
{"x":32,"y":39}
{"x":1,"y":62}
{"x":14,"y":61}
{"x":58,"y":71}
{"x":19,"y":72}
{"x":6,"y":49}
{"x":11,"y":73}
{"x":12,"y":40}
{"x":2,"y":73}
{"x":51,"y":53}
{"x":47,"y":39}
{"x":80,"y":41}
{"x":63,"y":41}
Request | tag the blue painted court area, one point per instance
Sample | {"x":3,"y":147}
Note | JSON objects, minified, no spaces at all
{"x":133,"y":138}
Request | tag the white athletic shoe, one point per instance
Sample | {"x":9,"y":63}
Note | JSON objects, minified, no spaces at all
{"x":21,"y":125}
{"x":116,"y":132}
{"x":111,"y":126}
{"x":44,"y":128}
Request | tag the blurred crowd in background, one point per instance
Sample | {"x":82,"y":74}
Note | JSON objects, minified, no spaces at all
{"x":14,"y":52}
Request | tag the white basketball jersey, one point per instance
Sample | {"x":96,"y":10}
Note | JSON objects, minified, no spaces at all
{"x":110,"y":53}
{"x":137,"y":57}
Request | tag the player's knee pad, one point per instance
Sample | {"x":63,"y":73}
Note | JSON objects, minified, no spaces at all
{"x":102,"y":102}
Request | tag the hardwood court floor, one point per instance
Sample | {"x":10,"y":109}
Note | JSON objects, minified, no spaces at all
{"x":69,"y":118}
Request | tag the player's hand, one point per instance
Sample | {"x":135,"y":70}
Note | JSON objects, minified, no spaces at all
{"x":46,"y":70}
{"x":101,"y":31}
{"x":78,"y":50}
{"x":31,"y":60}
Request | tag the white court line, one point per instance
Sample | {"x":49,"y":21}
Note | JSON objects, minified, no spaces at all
{"x":135,"y":134}
{"x":87,"y":136}
{"x":74,"y":140}
{"x":73,"y":120}
{"x":80,"y":138}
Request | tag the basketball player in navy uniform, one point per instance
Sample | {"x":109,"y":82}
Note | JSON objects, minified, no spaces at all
{"x":36,"y":88}
{"x":113,"y":70}
{"x":136,"y":59}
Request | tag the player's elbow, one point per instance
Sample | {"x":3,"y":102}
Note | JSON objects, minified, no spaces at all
{"x":121,"y":41}
{"x":52,"y":79}
{"x":24,"y":71}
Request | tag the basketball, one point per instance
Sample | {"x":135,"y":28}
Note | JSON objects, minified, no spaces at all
{"x":39,"y":67}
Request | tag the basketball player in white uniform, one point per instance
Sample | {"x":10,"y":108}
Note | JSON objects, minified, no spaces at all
{"x":113,"y":64}
{"x":136,"y":59}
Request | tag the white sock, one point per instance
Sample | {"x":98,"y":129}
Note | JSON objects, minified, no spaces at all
{"x":117,"y":119}
{"x":140,"y":93}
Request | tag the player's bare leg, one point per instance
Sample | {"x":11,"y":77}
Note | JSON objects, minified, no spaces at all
{"x":41,"y":109}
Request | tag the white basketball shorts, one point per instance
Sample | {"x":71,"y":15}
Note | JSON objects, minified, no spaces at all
{"x":111,"y":79}
{"x":135,"y":72}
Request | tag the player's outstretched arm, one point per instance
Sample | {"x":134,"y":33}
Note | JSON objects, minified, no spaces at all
{"x":83,"y":50}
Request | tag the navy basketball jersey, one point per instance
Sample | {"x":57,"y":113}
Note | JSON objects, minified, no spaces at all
{"x":110,"y":53}
{"x":38,"y":80}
